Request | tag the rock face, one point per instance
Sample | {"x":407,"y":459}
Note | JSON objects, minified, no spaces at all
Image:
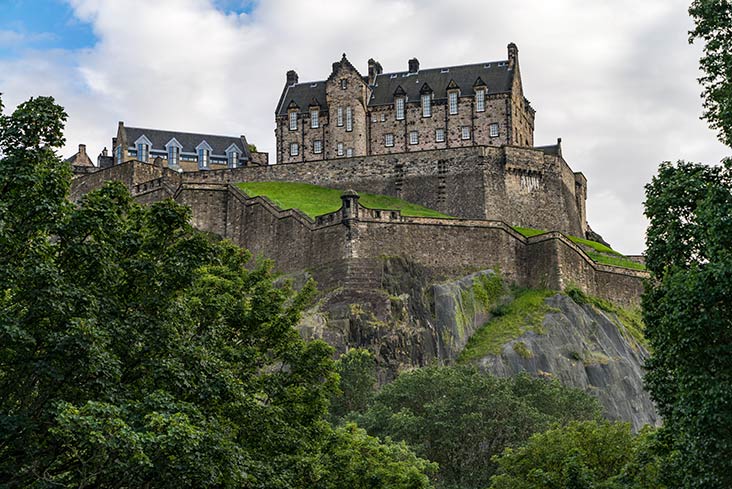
{"x":412,"y":321}
{"x":583,"y":347}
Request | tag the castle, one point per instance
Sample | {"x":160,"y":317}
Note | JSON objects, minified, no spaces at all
{"x":472,"y":158}
{"x":350,"y":115}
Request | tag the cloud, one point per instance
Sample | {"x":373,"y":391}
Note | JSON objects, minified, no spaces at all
{"x":616,"y":80}
{"x":13,"y":38}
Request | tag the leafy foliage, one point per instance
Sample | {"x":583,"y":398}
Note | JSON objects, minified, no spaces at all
{"x":137,"y":352}
{"x":688,"y":316}
{"x":713,"y":19}
{"x":460,"y":417}
{"x":357,"y":373}
{"x":589,"y":454}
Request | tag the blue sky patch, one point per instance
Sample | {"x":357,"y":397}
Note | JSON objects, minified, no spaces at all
{"x":41,"y":25}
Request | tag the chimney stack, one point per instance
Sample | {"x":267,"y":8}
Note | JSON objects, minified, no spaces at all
{"x":292,"y":78}
{"x":512,"y":56}
{"x":413,"y":65}
{"x":375,"y":69}
{"x":82,"y":149}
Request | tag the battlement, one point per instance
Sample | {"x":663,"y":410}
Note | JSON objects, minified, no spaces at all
{"x":521,"y":186}
{"x":348,"y":246}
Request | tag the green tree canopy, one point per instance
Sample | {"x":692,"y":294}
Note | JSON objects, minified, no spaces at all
{"x":137,"y":352}
{"x":687,"y":309}
{"x":581,"y":455}
{"x":460,"y":417}
{"x":713,"y":20}
{"x":357,"y":382}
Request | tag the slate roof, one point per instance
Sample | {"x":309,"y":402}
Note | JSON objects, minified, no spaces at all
{"x":495,"y":75}
{"x":189,"y":141}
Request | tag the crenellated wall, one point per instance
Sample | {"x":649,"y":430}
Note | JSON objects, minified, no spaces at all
{"x":520,"y":186}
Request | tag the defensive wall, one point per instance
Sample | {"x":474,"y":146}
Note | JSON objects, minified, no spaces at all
{"x":347,"y":248}
{"x":520,"y":186}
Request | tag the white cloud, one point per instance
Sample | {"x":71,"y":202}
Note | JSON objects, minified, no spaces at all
{"x":616,"y":80}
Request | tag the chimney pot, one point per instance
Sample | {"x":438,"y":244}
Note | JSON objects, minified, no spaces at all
{"x":413,"y":65}
{"x":292,"y":78}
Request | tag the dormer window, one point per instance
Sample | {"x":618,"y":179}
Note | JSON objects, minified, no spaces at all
{"x":173,"y":147}
{"x":293,"y":120}
{"x":452,"y":100}
{"x":232,"y":156}
{"x":173,"y":156}
{"x":399,"y":105}
{"x":426,"y":105}
{"x":204,"y":155}
{"x":480,"y":100}
{"x":142,"y":145}
{"x":314,"y":122}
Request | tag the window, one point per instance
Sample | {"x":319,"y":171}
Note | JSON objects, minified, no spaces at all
{"x":400,"y":108}
{"x":317,"y":146}
{"x":294,"y":149}
{"x":480,"y":101}
{"x":119,"y":154}
{"x":426,"y":105}
{"x":383,"y":117}
{"x":143,"y":152}
{"x":314,"y":122}
{"x":493,"y":130}
{"x":340,"y":149}
{"x":389,"y":140}
{"x":439,"y":135}
{"x":465,"y":132}
{"x":344,"y":84}
{"x":293,"y":120}
{"x":232,"y":158}
{"x":349,"y":119}
{"x":203,"y":158}
{"x":340,"y":116}
{"x":349,"y":152}
{"x":453,"y":102}
{"x":413,"y":137}
{"x":173,"y":155}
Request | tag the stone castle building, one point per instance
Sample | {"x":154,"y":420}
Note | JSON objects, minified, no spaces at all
{"x":181,"y":151}
{"x":350,"y":115}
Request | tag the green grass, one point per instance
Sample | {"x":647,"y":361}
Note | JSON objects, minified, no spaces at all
{"x":525,"y":313}
{"x":602,"y":254}
{"x":314,"y":200}
{"x":630,"y":319}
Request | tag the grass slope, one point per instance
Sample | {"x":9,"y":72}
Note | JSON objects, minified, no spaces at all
{"x":525,"y":313}
{"x":314,"y":200}
{"x":602,"y":254}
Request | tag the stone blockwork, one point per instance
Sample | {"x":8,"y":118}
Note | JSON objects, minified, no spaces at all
{"x":521,"y":186}
{"x":346,"y":248}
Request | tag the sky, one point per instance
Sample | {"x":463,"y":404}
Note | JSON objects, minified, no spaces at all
{"x":615,"y":80}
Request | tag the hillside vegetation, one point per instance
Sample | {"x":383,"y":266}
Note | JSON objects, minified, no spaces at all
{"x":314,"y":200}
{"x":597,"y":251}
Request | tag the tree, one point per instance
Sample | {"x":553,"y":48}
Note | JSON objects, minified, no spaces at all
{"x":581,"y":455}
{"x":460,"y":417}
{"x":357,"y":382}
{"x":137,"y":352}
{"x":713,"y":20}
{"x":687,"y":310}
{"x":353,"y":453}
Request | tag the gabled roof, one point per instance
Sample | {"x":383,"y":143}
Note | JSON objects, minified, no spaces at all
{"x":189,"y":141}
{"x":495,"y":76}
{"x":302,"y":95}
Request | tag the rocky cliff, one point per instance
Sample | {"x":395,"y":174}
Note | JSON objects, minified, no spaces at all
{"x":416,"y":320}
